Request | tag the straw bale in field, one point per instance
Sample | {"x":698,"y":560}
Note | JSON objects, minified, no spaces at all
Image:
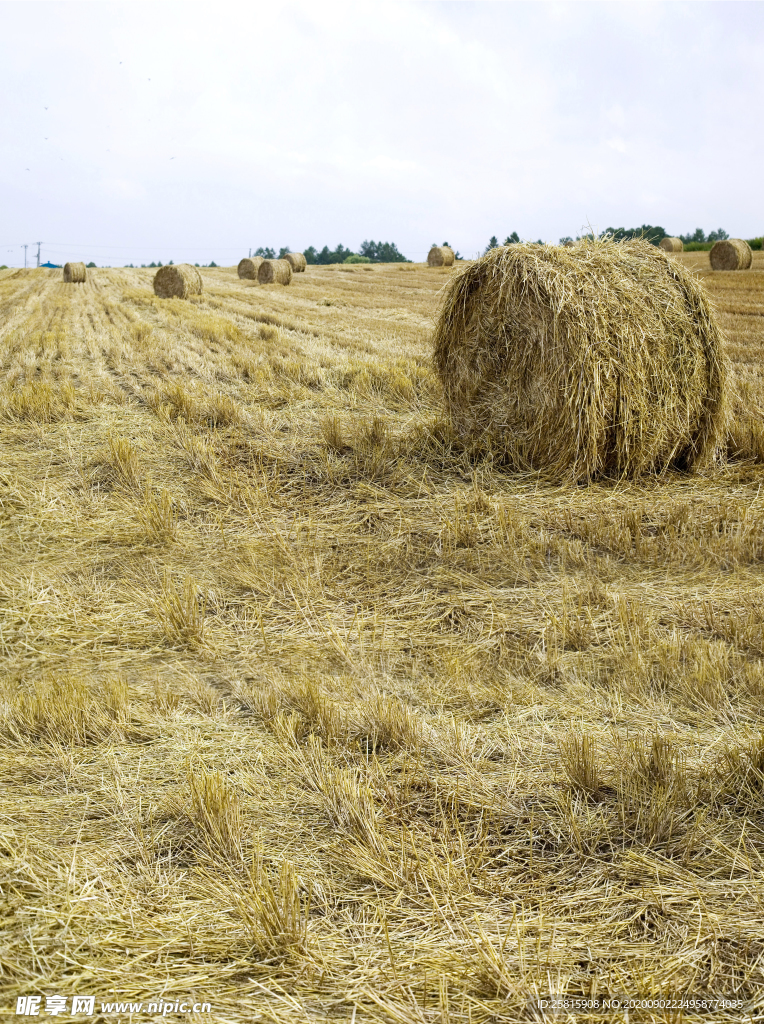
{"x":177,"y":282}
{"x":672,"y":244}
{"x":440,"y":256}
{"x":249,"y":266}
{"x":731,"y":254}
{"x":296,"y":261}
{"x":599,"y":360}
{"x":275,"y":272}
{"x":569,"y":243}
{"x":75,"y":273}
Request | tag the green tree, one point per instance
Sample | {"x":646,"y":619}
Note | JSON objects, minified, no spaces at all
{"x":92,"y":265}
{"x":493,"y":244}
{"x":283,"y":251}
{"x":310,"y":254}
{"x":267,"y":254}
{"x":382,"y":252}
{"x":717,"y":236}
{"x":648,"y":232}
{"x":355,"y":258}
{"x":337,"y":255}
{"x":512,"y":239}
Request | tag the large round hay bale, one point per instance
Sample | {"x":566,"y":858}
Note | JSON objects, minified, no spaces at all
{"x":296,"y":261}
{"x":600,"y":360}
{"x":75,"y":273}
{"x":731,"y":254}
{"x":440,"y":256}
{"x":249,"y":266}
{"x":275,"y":272}
{"x":177,"y":282}
{"x":669,"y":244}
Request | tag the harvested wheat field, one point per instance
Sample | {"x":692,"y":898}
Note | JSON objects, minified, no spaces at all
{"x":314,"y":711}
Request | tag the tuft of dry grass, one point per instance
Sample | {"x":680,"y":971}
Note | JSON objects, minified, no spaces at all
{"x":66,"y":709}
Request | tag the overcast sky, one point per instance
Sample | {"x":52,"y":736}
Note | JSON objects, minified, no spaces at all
{"x":155,"y":131}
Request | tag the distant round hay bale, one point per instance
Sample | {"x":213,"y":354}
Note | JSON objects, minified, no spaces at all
{"x":595,"y":361}
{"x":669,"y":244}
{"x":569,"y":243}
{"x":249,"y":266}
{"x":275,"y":272}
{"x":296,"y":261}
{"x":731,"y":254}
{"x":440,"y":256}
{"x":177,"y":282}
{"x":75,"y":273}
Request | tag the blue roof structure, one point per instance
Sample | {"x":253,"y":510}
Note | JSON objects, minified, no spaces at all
{"x":52,"y":266}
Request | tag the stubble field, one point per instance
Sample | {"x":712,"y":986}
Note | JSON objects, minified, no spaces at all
{"x":312,"y":713}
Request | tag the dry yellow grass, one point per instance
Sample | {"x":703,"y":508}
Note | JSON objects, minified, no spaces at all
{"x":313,"y":712}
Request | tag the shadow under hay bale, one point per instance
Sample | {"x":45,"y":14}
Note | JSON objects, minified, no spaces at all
{"x":274,"y":272}
{"x":731,"y":254}
{"x":672,"y":244}
{"x":296,"y":261}
{"x":248,"y":267}
{"x":75,"y":273}
{"x":600,"y":360}
{"x":177,"y":282}
{"x":440,"y":256}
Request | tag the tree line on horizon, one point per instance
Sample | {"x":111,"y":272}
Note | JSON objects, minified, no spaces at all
{"x":387,"y":252}
{"x":649,"y":232}
{"x":368,"y":252}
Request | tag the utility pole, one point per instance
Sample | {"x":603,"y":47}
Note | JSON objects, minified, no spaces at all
{"x":38,"y":254}
{"x":250,"y":252}
{"x":25,"y":247}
